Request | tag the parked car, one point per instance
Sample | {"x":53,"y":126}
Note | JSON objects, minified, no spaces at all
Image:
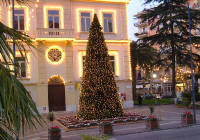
{"x":148,"y":96}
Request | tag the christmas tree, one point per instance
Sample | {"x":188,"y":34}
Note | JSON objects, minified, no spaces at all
{"x":99,"y":98}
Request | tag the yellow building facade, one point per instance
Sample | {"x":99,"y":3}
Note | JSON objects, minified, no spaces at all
{"x":52,"y":71}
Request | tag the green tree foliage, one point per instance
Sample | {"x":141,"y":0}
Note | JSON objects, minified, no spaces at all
{"x":169,"y":20}
{"x":145,"y":57}
{"x":17,"y":109}
{"x":99,"y":97}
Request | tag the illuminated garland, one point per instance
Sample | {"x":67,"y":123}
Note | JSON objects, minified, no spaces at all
{"x":99,"y":98}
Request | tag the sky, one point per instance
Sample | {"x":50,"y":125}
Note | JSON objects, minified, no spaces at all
{"x":133,"y":8}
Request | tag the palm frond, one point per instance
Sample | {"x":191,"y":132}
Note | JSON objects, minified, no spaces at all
{"x":6,"y":132}
{"x":8,"y":36}
{"x":18,"y":108}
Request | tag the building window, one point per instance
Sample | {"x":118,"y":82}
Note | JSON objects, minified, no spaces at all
{"x":85,"y":21}
{"x":53,"y":18}
{"x":198,"y":31}
{"x":112,"y":61}
{"x":20,"y":67}
{"x":83,"y":61}
{"x":108,"y":22}
{"x":160,"y":26}
{"x":144,"y":30}
{"x":19,"y":23}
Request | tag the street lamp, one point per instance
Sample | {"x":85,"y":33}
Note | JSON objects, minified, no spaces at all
{"x":13,"y":18}
{"x":154,"y":75}
{"x":191,"y":65}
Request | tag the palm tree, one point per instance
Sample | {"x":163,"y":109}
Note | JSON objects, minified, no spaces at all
{"x":145,"y":57}
{"x":17,"y":109}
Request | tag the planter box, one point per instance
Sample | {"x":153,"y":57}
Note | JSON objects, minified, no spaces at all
{"x":187,"y":120}
{"x":106,"y":128}
{"x":152,"y":124}
{"x":54,"y":135}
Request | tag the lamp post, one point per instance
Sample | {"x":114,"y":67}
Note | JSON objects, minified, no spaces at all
{"x":191,"y":66}
{"x":13,"y":18}
{"x":154,"y":76}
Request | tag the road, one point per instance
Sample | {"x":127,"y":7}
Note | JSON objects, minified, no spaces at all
{"x":186,"y":133}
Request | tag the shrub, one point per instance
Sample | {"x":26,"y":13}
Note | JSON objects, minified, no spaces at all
{"x":54,"y":129}
{"x":87,"y":137}
{"x":187,"y":97}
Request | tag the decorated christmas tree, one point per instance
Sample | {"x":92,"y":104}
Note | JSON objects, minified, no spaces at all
{"x":99,"y":97}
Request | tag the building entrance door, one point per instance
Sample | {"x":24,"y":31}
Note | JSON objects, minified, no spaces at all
{"x":56,"y":94}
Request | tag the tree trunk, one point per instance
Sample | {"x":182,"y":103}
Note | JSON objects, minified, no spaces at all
{"x":173,"y":71}
{"x":133,"y":68}
{"x":196,"y":85}
{"x":173,"y":61}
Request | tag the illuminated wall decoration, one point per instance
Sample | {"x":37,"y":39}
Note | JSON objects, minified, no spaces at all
{"x":61,"y":15}
{"x":78,"y":16}
{"x":111,"y":53}
{"x":113,"y":12}
{"x":26,"y":16}
{"x":0,"y":14}
{"x":55,"y":55}
{"x":129,"y":62}
{"x":56,"y":79}
{"x":114,"y":1}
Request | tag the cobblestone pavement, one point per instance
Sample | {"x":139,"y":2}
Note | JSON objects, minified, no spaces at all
{"x":169,"y":115}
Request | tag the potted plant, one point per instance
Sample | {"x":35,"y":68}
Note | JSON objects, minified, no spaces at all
{"x":106,"y":125}
{"x":152,"y":121}
{"x":187,"y":118}
{"x":54,"y":133}
{"x":106,"y":128}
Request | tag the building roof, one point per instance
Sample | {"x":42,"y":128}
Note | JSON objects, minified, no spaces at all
{"x":107,"y":1}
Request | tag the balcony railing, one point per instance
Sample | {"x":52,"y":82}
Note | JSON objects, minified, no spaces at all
{"x":54,"y":33}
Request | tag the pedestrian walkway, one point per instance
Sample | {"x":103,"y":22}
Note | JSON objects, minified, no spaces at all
{"x":169,"y":116}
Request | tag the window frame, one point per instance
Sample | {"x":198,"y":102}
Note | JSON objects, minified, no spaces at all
{"x":46,"y":8}
{"x":108,"y":23}
{"x":115,"y":54}
{"x":114,"y":19}
{"x":19,"y":67}
{"x":114,"y":61}
{"x":78,"y":17}
{"x":85,"y":20}
{"x":53,"y":16}
{"x":18,"y":20}
{"x":27,"y":61}
{"x":26,"y":16}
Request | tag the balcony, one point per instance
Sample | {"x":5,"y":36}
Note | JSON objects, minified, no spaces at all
{"x":54,"y":33}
